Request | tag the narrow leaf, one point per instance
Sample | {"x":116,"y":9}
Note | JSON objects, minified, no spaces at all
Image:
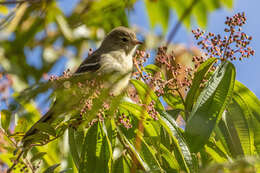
{"x":182,"y":152}
{"x":73,"y":147}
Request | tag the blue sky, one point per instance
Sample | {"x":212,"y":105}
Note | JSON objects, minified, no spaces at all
{"x":247,"y":70}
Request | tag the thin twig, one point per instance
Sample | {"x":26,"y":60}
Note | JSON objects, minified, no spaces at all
{"x":178,"y":24}
{"x":15,"y":162}
{"x":8,"y":137}
{"x":138,"y":138}
{"x":17,"y":2}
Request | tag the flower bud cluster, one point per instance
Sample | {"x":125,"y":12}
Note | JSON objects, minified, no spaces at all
{"x":151,"y":110}
{"x":125,"y":121}
{"x":231,"y":47}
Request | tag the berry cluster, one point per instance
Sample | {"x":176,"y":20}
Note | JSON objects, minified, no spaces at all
{"x":125,"y":121}
{"x":65,"y":75}
{"x":176,"y":76}
{"x":231,"y":47}
{"x":151,"y":110}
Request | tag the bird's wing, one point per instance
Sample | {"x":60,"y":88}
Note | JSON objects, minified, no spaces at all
{"x":91,"y":64}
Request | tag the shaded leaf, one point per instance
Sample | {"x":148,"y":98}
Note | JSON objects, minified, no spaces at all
{"x":46,"y":127}
{"x":133,"y":151}
{"x":181,"y":150}
{"x":38,"y":156}
{"x":51,"y":169}
{"x":146,"y":93}
{"x":5,"y":119}
{"x":122,"y":164}
{"x":73,"y":147}
{"x":174,"y":101}
{"x":158,"y":12}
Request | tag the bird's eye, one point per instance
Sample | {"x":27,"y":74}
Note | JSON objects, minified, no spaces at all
{"x":124,"y":39}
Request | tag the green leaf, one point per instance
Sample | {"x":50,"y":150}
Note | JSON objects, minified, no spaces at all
{"x":133,"y":151}
{"x":135,"y":109}
{"x":216,"y":152}
{"x":108,"y":148}
{"x":256,"y":127}
{"x":139,"y":112}
{"x":252,"y":102}
{"x":249,"y":109}
{"x":210,"y":106}
{"x":180,"y":7}
{"x":122,"y":164}
{"x":145,"y":93}
{"x":240,"y":122}
{"x":38,"y":137}
{"x":96,"y":152}
{"x":3,"y":10}
{"x":181,"y":150}
{"x":198,"y":77}
{"x":174,"y":113}
{"x":174,"y":101}
{"x":38,"y":156}
{"x":5,"y":119}
{"x":148,"y":153}
{"x":153,"y":69}
{"x":64,"y":27}
{"x":74,"y":149}
{"x":229,"y":136}
{"x":91,"y":149}
{"x":212,"y":4}
{"x":46,"y":127}
{"x":227,"y":3}
{"x":169,"y":158}
{"x":22,"y":124}
{"x":51,"y":169}
{"x":158,"y":12}
{"x":201,"y":13}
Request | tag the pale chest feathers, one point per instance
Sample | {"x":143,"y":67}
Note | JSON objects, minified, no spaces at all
{"x":118,"y":61}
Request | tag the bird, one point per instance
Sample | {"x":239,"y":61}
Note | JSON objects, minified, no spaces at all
{"x":114,"y":54}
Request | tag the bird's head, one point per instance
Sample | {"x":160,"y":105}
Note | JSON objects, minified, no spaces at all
{"x":121,"y":38}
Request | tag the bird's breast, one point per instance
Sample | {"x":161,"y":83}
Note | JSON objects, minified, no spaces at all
{"x":117,"y":61}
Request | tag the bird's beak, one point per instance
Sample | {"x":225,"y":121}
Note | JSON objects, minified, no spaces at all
{"x":137,"y":42}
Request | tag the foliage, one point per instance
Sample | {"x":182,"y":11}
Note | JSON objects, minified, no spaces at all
{"x":175,"y":117}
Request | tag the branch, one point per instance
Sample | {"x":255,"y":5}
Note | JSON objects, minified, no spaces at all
{"x":139,"y":134}
{"x":178,"y":24}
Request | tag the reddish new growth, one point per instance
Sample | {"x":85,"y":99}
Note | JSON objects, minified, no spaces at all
{"x":125,"y":121}
{"x":65,"y":75}
{"x":89,"y":95}
{"x":151,"y":110}
{"x":174,"y":71}
{"x":231,"y":47}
